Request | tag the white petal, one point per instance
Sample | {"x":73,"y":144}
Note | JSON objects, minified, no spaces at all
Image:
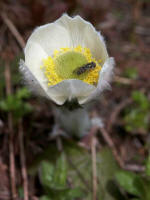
{"x":50,"y":37}
{"x":83,"y":33}
{"x":34,"y":55}
{"x":70,"y":89}
{"x":30,"y":80}
{"x":106,"y":74}
{"x":70,"y":32}
{"x":105,"y":77}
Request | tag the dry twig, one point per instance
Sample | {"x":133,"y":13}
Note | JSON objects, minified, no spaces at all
{"x":112,"y":146}
{"x":116,"y":112}
{"x":129,"y":167}
{"x":23,"y":162}
{"x":94,"y":168}
{"x":11,"y":134}
{"x":123,"y":80}
{"x":134,"y":167}
{"x":86,"y":141}
{"x":13,"y":30}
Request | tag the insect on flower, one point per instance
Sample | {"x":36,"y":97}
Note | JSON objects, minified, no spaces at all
{"x":85,"y":68}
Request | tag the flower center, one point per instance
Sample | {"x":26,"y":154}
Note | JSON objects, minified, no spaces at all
{"x":71,"y":63}
{"x":67,"y":63}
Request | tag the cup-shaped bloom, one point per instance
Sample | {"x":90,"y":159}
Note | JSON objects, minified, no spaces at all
{"x":66,"y":60}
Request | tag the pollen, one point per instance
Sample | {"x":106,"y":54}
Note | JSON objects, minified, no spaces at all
{"x":65,"y":61}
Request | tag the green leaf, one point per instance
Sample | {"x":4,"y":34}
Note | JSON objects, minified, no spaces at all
{"x":77,"y":166}
{"x":60,"y":175}
{"x":75,"y":193}
{"x":141,"y":99}
{"x":135,"y":199}
{"x":54,"y":176}
{"x":147,"y":171}
{"x":143,"y":185}
{"x":45,"y":197}
{"x":80,"y":163}
{"x":134,"y":184}
{"x":20,"y":192}
{"x":50,"y":154}
{"x":131,"y":73}
{"x":23,"y":93}
{"x":3,"y":105}
{"x":139,"y":184}
{"x":137,"y":115}
{"x":136,"y":119}
{"x":46,"y":174}
{"x":15,"y":103}
{"x":115,"y":191}
{"x":147,"y":189}
{"x":126,"y":180}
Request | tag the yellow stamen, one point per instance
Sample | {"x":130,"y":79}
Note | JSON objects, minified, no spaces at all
{"x":62,"y":64}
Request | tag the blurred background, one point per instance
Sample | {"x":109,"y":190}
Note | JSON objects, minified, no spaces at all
{"x":32,"y":165}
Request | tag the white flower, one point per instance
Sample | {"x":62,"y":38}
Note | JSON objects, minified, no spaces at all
{"x":56,"y":55}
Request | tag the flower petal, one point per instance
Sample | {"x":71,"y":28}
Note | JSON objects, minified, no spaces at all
{"x":50,"y":37}
{"x":70,"y":89}
{"x":105,"y":77}
{"x":83,"y":33}
{"x":70,"y":32}
{"x":34,"y":55}
{"x":106,"y":74}
{"x":30,"y":80}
